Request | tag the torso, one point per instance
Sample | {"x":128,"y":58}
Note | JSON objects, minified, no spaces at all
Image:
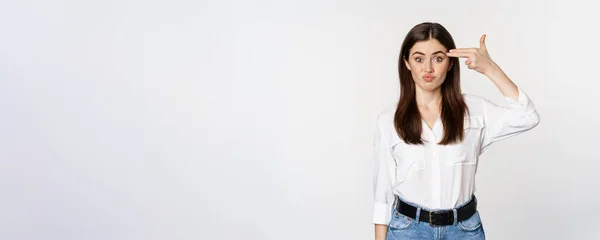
{"x":443,"y":176}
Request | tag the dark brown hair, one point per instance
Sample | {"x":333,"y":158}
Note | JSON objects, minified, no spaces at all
{"x":407,"y":119}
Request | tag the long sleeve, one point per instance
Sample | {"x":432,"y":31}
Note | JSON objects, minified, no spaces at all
{"x":504,"y":122}
{"x":384,"y":167}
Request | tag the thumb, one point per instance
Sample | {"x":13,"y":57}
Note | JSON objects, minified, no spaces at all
{"x":482,"y":42}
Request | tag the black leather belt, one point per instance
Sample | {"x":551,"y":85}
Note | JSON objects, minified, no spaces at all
{"x":438,"y":217}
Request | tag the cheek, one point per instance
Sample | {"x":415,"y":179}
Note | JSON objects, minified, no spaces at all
{"x":414,"y":67}
{"x":415,"y":72}
{"x":443,"y":67}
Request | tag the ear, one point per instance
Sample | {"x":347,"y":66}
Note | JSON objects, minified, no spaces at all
{"x":406,"y":63}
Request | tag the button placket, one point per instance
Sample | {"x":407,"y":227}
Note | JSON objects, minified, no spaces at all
{"x":435,"y":175}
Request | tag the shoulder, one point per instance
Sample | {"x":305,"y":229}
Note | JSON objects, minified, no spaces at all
{"x":385,"y":123}
{"x":475,"y":103}
{"x":386,"y":115}
{"x":472,"y":99}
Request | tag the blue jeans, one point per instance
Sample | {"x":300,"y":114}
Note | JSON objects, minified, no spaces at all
{"x":402,"y":227}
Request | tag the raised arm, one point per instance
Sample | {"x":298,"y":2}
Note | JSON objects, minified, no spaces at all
{"x":501,"y":122}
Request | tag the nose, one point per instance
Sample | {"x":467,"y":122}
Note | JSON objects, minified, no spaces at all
{"x":428,"y":67}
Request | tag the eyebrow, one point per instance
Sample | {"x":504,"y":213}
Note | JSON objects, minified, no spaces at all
{"x":431,"y":54}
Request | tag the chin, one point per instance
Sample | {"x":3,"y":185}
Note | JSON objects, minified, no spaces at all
{"x":429,"y":86}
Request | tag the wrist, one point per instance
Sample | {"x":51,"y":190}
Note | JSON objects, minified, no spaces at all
{"x":494,"y":72}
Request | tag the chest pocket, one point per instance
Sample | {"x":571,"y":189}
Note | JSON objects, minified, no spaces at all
{"x":408,"y":158}
{"x":467,"y":151}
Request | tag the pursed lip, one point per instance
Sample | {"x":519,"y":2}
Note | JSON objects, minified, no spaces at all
{"x":428,"y":77}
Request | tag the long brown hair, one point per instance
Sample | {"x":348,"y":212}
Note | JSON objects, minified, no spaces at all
{"x":407,"y":119}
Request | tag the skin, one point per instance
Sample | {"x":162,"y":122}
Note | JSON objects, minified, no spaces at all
{"x":429,"y":67}
{"x":479,"y":60}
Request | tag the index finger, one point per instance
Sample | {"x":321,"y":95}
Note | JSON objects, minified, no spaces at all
{"x":458,"y":54}
{"x":471,"y":50}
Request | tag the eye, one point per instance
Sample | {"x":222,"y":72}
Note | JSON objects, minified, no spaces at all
{"x":418,"y":59}
{"x":439,"y":59}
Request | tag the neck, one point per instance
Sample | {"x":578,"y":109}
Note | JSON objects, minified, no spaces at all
{"x":429,"y":99}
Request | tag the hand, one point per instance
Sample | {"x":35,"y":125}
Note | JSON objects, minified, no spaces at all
{"x":478,"y":59}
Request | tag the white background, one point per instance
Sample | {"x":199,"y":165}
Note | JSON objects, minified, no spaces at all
{"x":254,"y":119}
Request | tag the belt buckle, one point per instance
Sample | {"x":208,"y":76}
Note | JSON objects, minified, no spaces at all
{"x":431,"y":214}
{"x":436,"y":218}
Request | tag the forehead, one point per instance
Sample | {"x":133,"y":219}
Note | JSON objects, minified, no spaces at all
{"x":428,"y":47}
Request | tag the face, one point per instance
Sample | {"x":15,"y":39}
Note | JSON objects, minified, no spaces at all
{"x":428,"y":64}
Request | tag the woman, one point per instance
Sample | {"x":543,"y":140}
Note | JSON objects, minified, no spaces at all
{"x":428,"y":145}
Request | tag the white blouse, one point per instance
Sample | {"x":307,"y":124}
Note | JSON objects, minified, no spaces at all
{"x":437,"y":176}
